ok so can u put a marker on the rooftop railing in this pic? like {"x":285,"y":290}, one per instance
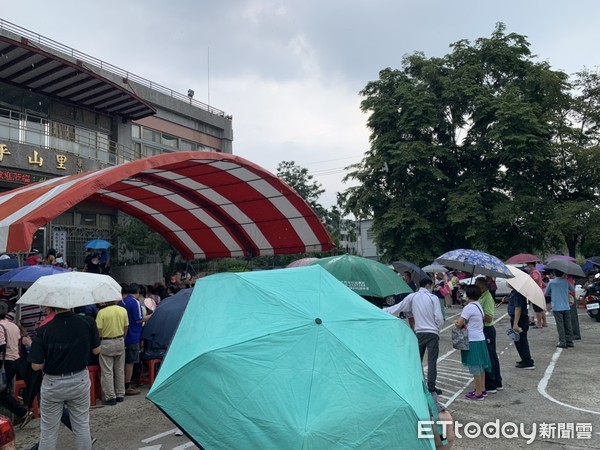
{"x":84,"y":57}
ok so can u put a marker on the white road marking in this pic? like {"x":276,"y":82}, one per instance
{"x":186,"y":445}
{"x":456,"y":394}
{"x":152,"y":447}
{"x":158,"y":436}
{"x":543,"y":384}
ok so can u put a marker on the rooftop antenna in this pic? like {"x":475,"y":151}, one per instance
{"x":208,"y":72}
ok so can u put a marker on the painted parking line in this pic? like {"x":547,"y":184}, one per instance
{"x":159,"y":436}
{"x":543,"y":385}
{"x":184,"y":446}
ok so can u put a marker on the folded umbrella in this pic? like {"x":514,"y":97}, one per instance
{"x":291,"y":359}
{"x":527,"y":287}
{"x":72,"y":289}
{"x":475,"y":262}
{"x":566,"y":266}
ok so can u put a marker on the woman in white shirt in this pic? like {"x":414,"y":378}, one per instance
{"x":476,"y":358}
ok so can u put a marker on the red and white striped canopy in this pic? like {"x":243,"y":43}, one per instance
{"x":206,"y":205}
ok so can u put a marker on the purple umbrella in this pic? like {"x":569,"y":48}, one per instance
{"x":563,"y":257}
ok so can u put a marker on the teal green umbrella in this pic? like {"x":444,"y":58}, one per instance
{"x":291,"y":359}
{"x":364,"y":276}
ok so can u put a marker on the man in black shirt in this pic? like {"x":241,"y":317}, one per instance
{"x":62,"y":349}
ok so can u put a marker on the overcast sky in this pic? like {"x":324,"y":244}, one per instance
{"x":289,"y":72}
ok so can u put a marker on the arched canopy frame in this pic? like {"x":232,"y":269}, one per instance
{"x":206,"y":205}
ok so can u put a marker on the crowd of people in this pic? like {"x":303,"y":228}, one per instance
{"x":425,"y":311}
{"x":50,"y":349}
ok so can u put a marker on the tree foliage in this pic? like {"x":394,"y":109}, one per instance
{"x":485,"y":147}
{"x":302,"y":182}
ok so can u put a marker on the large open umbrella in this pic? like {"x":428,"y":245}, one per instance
{"x":566,"y":266}
{"x":364,"y":276}
{"x":527,"y":287}
{"x":475,"y":262}
{"x":72,"y":289}
{"x":291,"y":359}
{"x":561,"y":257}
{"x":159,"y":330}
{"x":415,"y":271}
{"x":24,"y":277}
{"x":523,"y":258}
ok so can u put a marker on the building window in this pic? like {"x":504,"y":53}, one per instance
{"x":187,"y":145}
{"x":135,"y":131}
{"x":151,"y":151}
{"x":168,"y":140}
{"x":150,"y":135}
{"x":104,"y":221}
{"x":87,"y":219}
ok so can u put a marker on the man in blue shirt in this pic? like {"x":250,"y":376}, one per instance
{"x":559,"y":290}
{"x":134,"y":334}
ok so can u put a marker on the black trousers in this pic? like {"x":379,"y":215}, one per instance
{"x":522,"y":345}
{"x":7,"y":399}
{"x":493,"y":378}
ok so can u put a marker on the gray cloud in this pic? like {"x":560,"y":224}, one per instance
{"x":290,"y":71}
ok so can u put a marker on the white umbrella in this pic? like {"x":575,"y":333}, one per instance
{"x":72,"y":289}
{"x":527,"y":287}
{"x":434,"y":268}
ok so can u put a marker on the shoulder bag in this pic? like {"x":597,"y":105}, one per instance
{"x":460,"y":336}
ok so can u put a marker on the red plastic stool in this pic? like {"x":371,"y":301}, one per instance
{"x":20,"y":385}
{"x":95,"y":387}
{"x":151,"y":366}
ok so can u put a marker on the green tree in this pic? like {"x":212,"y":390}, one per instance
{"x":461,"y":150}
{"x":577,"y":164}
{"x":302,"y":182}
{"x":137,"y":242}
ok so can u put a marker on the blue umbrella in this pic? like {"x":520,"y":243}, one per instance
{"x":475,"y":261}
{"x":163,"y":322}
{"x":98,"y":244}
{"x":589,"y":266}
{"x":25,"y":276}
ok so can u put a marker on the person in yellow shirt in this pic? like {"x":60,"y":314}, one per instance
{"x":112,"y":323}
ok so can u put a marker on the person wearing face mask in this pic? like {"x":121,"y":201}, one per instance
{"x":427,"y":312}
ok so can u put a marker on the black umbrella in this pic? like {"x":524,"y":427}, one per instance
{"x":565,"y":267}
{"x":415,"y":271}
{"x":161,"y":326}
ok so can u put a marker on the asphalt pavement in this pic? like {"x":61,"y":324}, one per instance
{"x":560,"y":398}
